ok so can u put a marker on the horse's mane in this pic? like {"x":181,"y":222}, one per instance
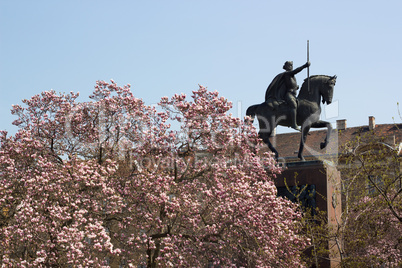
{"x":314,"y":79}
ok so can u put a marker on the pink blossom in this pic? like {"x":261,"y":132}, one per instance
{"x":111,"y":178}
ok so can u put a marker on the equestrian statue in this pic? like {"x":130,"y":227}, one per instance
{"x":282,"y":106}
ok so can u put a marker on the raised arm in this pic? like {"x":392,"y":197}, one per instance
{"x":298,"y":70}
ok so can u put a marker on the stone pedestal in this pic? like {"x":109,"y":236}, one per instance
{"x":320,"y":182}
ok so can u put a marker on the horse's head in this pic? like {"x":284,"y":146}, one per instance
{"x":327,"y":90}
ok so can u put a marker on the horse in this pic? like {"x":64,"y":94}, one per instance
{"x":308,"y":112}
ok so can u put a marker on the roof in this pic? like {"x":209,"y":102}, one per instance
{"x":287,"y":144}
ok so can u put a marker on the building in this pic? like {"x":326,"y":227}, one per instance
{"x":330,"y":186}
{"x":287,"y":144}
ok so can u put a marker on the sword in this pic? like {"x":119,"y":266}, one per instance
{"x":308,"y":68}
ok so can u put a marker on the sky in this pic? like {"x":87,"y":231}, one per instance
{"x":233,"y":46}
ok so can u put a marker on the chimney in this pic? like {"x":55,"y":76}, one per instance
{"x":371,"y":122}
{"x":341,"y":124}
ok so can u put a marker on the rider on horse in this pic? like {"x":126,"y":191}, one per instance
{"x":283,"y":89}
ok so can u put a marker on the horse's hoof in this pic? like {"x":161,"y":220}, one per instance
{"x":302,"y":158}
{"x":323,"y":145}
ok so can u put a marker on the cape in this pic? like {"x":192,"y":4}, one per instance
{"x":275,"y":94}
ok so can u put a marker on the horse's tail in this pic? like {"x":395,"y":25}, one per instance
{"x":251,"y":111}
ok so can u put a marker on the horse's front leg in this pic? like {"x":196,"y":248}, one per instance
{"x":304,"y":134}
{"x":322,"y":124}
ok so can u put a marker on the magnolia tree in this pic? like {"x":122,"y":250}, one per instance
{"x":113,"y":182}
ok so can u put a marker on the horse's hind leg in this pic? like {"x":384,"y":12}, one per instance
{"x":266,"y":124}
{"x":265,"y":138}
{"x":265,"y":134}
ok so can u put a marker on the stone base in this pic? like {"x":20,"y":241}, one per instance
{"x":321,"y":183}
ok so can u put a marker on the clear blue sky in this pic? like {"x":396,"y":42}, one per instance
{"x":233,"y":46}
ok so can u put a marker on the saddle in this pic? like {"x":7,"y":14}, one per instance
{"x":276,"y":105}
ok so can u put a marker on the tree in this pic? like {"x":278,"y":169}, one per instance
{"x":111,"y":182}
{"x":52,"y":213}
{"x":372,"y":214}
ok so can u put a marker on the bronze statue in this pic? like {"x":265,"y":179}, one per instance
{"x":282,"y":90}
{"x":313,"y":90}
